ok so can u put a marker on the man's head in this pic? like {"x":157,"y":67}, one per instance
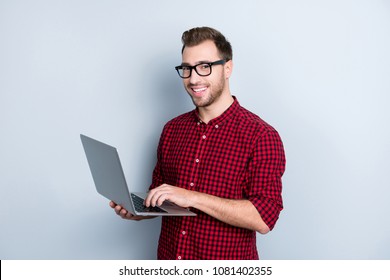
{"x":198,"y":35}
{"x":206,"y":67}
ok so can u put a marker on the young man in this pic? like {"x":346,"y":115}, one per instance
{"x":220,"y":160}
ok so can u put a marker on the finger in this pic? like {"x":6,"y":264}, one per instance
{"x":112,"y":204}
{"x":161,"y":199}
{"x":118,"y":209}
{"x":149,"y":197}
{"x":123,"y":213}
{"x":146,"y":200}
{"x":155,"y":197}
{"x":154,"y":194}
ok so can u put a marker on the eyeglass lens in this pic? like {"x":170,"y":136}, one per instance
{"x":202,"y":69}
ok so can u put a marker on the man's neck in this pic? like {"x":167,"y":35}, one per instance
{"x":216,"y":109}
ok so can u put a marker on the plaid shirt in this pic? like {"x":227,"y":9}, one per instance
{"x":236,"y":156}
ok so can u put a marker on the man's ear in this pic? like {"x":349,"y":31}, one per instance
{"x":228,"y":68}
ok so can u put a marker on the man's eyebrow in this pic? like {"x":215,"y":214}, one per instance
{"x":199,"y":62}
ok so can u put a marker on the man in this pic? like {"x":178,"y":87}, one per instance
{"x":220,"y":160}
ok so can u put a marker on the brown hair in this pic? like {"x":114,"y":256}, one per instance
{"x":197,"y":35}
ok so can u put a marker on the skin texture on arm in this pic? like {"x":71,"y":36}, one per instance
{"x":239,"y":213}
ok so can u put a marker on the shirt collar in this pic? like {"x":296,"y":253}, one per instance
{"x":228,"y":114}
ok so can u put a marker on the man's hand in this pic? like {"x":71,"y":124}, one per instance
{"x":122,"y":212}
{"x":176,"y":195}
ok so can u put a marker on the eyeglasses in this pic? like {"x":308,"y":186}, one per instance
{"x":202,"y":69}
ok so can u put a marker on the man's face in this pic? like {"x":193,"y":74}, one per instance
{"x":205,"y":91}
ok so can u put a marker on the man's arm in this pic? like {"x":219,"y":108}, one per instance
{"x":239,"y":213}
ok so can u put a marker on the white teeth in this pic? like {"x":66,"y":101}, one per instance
{"x":199,"y":90}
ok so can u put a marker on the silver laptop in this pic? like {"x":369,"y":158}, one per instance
{"x":110,"y":181}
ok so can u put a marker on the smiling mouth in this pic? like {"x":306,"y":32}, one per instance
{"x":199,"y":90}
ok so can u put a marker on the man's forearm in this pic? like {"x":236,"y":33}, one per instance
{"x":239,"y":213}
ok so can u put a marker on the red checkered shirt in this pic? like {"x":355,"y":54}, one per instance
{"x":236,"y":156}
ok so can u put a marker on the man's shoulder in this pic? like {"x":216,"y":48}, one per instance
{"x":250,"y":119}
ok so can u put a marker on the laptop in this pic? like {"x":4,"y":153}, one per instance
{"x":110,"y":182}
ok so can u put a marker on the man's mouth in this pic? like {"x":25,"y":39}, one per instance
{"x":199,"y":90}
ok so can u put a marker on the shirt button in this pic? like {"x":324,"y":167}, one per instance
{"x":204,"y":136}
{"x":216,"y":126}
{"x":183,"y":232}
{"x":191,"y":184}
{"x":179,"y":257}
{"x":197,"y":160}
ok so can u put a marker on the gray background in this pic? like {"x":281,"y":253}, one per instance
{"x":318,"y":71}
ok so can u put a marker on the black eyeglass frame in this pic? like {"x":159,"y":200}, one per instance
{"x":210,"y":64}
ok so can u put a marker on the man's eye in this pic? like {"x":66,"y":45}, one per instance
{"x":204,"y":66}
{"x":185,"y":68}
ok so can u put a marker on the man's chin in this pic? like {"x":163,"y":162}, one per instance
{"x":200,"y":102}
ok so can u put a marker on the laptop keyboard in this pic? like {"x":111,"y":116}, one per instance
{"x":140,"y":207}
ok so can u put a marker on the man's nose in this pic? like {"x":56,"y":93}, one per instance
{"x":194,"y":78}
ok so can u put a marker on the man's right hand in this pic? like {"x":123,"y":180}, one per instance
{"x":122,"y":212}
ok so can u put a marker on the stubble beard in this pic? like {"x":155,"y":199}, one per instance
{"x":208,"y":100}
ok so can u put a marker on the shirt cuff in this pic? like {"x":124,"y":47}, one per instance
{"x":268,"y":210}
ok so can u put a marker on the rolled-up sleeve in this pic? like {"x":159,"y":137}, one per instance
{"x":264,"y":181}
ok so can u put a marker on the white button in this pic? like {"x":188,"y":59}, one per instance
{"x":204,"y":136}
{"x":197,"y":160}
{"x":183,"y":232}
{"x":179,"y":257}
{"x":191,"y":184}
{"x":198,"y":123}
{"x":216,"y":126}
